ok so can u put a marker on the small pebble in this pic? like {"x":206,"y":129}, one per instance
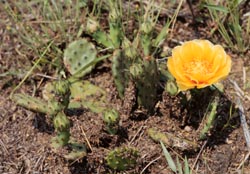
{"x":188,"y":128}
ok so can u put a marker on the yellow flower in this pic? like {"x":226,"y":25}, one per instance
{"x":198,"y":63}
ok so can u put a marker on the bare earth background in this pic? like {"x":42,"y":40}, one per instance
{"x":25,"y":136}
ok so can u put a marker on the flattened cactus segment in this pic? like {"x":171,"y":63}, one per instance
{"x":122,"y":158}
{"x":86,"y":95}
{"x":120,"y":71}
{"x":79,"y":57}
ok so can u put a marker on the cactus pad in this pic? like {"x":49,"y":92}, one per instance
{"x":86,"y":95}
{"x":120,"y":72}
{"x":77,"y":151}
{"x":60,"y":140}
{"x":33,"y":104}
{"x":122,"y":158}
{"x":146,"y":80}
{"x":61,"y":122}
{"x":172,"y":140}
{"x":111,"y":118}
{"x":79,"y":57}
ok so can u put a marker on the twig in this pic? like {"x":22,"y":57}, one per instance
{"x":4,"y":147}
{"x":46,"y":76}
{"x":86,"y":139}
{"x":244,"y":76}
{"x":243,"y":121}
{"x":238,"y":90}
{"x":198,"y":156}
{"x":151,"y":162}
{"x":136,"y":135}
{"x":244,"y":160}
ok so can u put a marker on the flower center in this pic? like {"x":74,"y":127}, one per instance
{"x":198,"y":67}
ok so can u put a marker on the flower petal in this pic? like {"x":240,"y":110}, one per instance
{"x":198,"y":63}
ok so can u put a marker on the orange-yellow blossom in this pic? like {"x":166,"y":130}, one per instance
{"x":198,"y":63}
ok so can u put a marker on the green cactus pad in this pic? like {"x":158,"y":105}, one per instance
{"x":122,"y":158}
{"x":60,"y":140}
{"x":120,"y":72}
{"x":172,"y":140}
{"x":57,"y":91}
{"x":61,"y":122}
{"x":210,"y":118}
{"x":101,"y":37}
{"x":111,"y":118}
{"x":86,"y":95}
{"x":49,"y":92}
{"x":33,"y":104}
{"x":146,"y":84}
{"x":77,"y":151}
{"x":79,"y":57}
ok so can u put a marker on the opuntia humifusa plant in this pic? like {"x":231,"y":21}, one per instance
{"x":122,"y":158}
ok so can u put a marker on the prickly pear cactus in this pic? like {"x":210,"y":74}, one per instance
{"x":86,"y":95}
{"x":146,"y":77}
{"x":61,"y":122}
{"x":172,"y":140}
{"x":120,"y":72}
{"x":122,"y":158}
{"x":61,"y":139}
{"x":77,"y":151}
{"x":146,"y":38}
{"x":33,"y":104}
{"x":79,"y":57}
{"x":115,"y":23}
{"x":101,"y":37}
{"x":208,"y":122}
{"x":111,"y":118}
{"x":57,"y":93}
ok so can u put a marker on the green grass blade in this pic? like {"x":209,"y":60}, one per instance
{"x":168,"y":158}
{"x":217,"y":8}
{"x":179,"y":166}
{"x":186,"y":167}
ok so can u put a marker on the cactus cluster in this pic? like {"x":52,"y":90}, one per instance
{"x":56,"y":101}
{"x":122,"y":158}
{"x":132,"y":60}
{"x":79,"y":58}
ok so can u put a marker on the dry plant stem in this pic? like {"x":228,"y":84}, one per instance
{"x":198,"y":156}
{"x":238,"y":90}
{"x":244,"y":122}
{"x":136,"y":135}
{"x":151,"y":162}
{"x":244,"y":160}
{"x":85,"y":136}
{"x":173,"y":20}
{"x":3,"y":146}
